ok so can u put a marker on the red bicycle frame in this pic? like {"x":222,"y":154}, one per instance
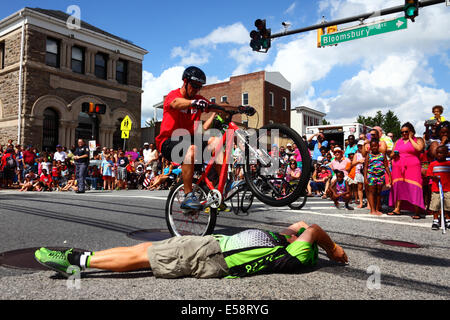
{"x":223,"y":172}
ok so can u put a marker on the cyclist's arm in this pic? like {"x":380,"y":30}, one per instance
{"x":208,"y":123}
{"x":181,"y":103}
{"x":294,"y":228}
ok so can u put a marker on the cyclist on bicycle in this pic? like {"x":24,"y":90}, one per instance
{"x":182,"y":110}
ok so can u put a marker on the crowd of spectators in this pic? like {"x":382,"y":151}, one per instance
{"x":28,"y":169}
{"x":372,"y":170}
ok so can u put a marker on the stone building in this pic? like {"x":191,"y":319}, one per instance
{"x":49,"y":67}
{"x":268,"y":92}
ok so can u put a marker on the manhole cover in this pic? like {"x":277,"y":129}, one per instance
{"x":24,"y":258}
{"x":397,"y":243}
{"x":150,"y":235}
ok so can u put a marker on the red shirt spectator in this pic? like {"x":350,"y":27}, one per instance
{"x":445,"y":176}
{"x":28,"y":157}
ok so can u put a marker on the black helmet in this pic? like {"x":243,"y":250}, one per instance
{"x":194,"y":74}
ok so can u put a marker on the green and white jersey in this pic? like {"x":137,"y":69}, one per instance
{"x":255,"y":251}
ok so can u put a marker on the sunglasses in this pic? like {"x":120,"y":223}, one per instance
{"x":404,"y":131}
{"x":195,"y":85}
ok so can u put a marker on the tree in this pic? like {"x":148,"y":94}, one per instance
{"x":392,"y":124}
{"x":325,"y":122}
{"x":388,"y":122}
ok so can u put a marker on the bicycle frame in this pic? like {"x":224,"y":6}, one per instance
{"x":232,"y":128}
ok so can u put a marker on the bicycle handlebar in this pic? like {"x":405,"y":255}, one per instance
{"x":250,"y":111}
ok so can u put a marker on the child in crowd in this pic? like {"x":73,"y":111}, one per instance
{"x":358,"y":161}
{"x":437,"y":112}
{"x":320,"y":180}
{"x":71,"y":184}
{"x":45,"y":182}
{"x":375,"y":168}
{"x":56,"y":173}
{"x":340,"y":191}
{"x":30,"y":178}
{"x":440,"y":169}
{"x":106,"y":170}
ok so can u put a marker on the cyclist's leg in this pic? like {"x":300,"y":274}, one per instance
{"x":122,"y":259}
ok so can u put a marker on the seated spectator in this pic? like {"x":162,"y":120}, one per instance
{"x":71,"y":184}
{"x":293,"y":172}
{"x":45,"y":182}
{"x":30,"y":179}
{"x":339,"y":190}
{"x":93,"y":177}
{"x":320,"y":180}
{"x":159,"y":180}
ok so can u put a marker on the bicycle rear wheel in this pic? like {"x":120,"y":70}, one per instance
{"x":180,"y":222}
{"x":265,"y":173}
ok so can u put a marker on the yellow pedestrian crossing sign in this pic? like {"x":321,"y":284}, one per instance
{"x":125,"y":134}
{"x":126,"y":124}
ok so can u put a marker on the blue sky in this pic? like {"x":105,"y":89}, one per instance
{"x":406,"y":71}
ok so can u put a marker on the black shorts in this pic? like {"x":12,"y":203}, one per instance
{"x":171,"y":143}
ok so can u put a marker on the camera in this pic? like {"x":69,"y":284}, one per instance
{"x":430,"y":123}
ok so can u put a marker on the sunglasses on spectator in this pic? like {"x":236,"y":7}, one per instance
{"x":406,"y":131}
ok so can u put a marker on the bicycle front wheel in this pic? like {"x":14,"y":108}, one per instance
{"x":181,"y":222}
{"x":246,"y":200}
{"x":267,"y":173}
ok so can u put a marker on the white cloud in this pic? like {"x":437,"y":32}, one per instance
{"x":290,"y":9}
{"x":395,"y":72}
{"x":235,"y":33}
{"x":156,"y":87}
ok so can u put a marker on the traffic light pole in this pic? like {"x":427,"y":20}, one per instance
{"x":360,"y":17}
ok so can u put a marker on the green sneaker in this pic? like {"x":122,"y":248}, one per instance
{"x":55,"y":260}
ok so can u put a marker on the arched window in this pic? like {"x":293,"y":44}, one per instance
{"x":117,"y":136}
{"x":50,"y":130}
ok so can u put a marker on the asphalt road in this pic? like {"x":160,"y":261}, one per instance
{"x":101,"y":219}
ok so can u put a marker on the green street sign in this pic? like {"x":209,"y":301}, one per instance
{"x":364,"y":31}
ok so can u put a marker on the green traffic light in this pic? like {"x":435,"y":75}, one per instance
{"x":410,"y":12}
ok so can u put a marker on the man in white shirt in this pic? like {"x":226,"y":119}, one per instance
{"x":59,"y":155}
{"x":146,"y":152}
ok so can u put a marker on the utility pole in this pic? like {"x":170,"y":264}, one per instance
{"x":410,"y":8}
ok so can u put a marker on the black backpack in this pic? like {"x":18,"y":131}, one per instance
{"x":11,"y":162}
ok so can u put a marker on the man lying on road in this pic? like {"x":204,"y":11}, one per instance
{"x":245,"y":253}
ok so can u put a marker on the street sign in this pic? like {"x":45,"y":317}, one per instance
{"x":126,"y":124}
{"x":125,"y":134}
{"x":364,"y":31}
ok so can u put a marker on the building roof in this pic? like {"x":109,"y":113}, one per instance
{"x":60,"y":15}
{"x":303,"y":109}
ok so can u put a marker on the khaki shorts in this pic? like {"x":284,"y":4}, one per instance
{"x":195,"y":256}
{"x":435,"y":204}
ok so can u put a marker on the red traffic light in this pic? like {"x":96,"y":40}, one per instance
{"x":260,"y":24}
{"x":91,"y":108}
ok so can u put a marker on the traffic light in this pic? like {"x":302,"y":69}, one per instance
{"x":411,"y":9}
{"x":92,"y":108}
{"x":332,"y":29}
{"x":320,"y":33}
{"x":260,"y":38}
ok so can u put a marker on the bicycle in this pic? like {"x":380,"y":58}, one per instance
{"x":259,"y":167}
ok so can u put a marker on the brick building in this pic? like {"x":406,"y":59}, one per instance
{"x":48,"y":69}
{"x":268,"y":92}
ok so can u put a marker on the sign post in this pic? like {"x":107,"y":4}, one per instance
{"x":364,"y":31}
{"x":125,"y":127}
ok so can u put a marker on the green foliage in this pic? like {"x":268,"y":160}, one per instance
{"x":389,"y":122}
